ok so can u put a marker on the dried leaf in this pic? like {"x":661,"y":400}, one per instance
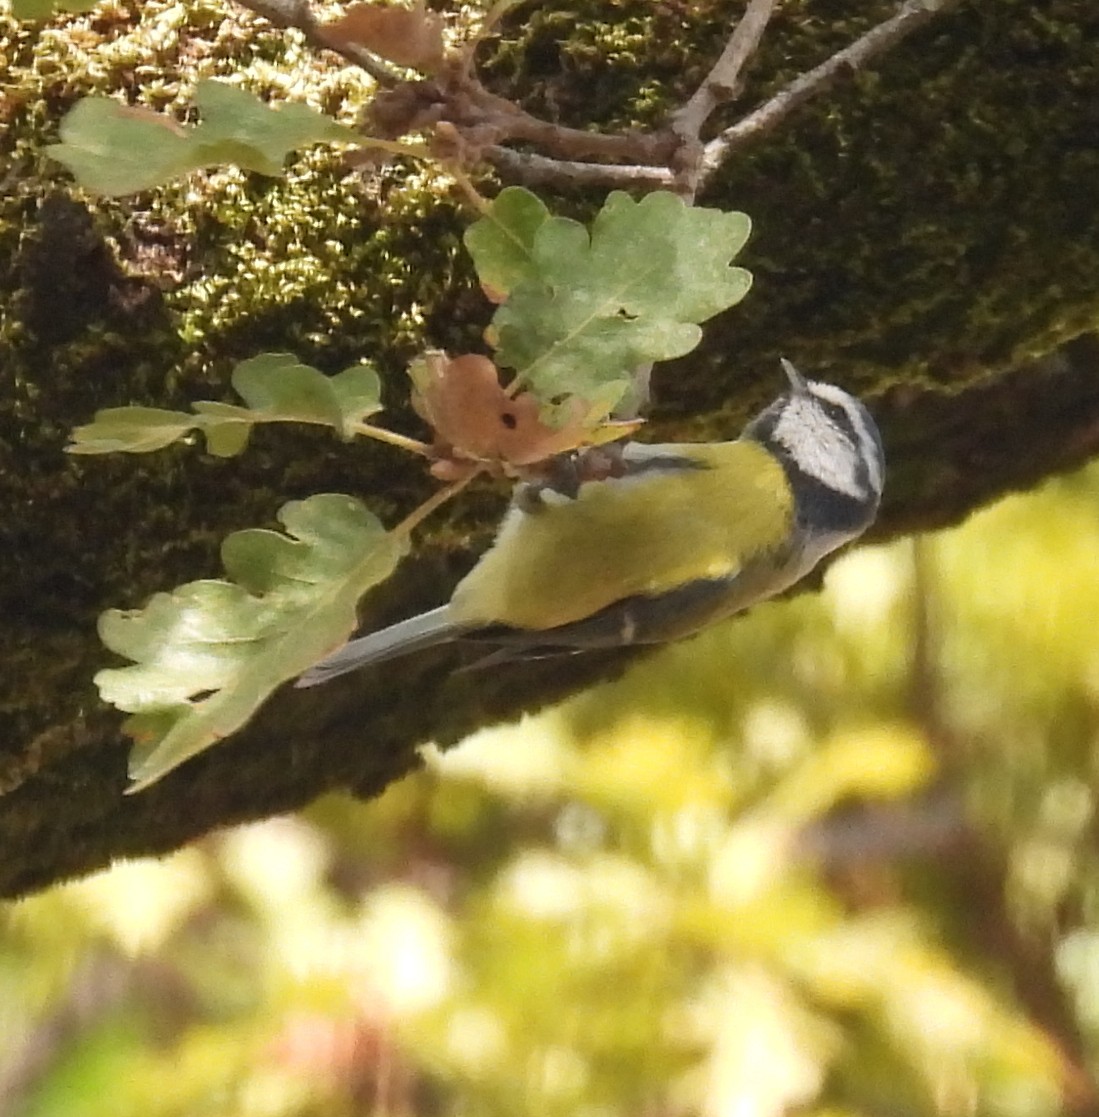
{"x":495,"y":295}
{"x":475,"y":419}
{"x":411,"y":37}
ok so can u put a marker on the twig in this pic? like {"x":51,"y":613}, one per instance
{"x":479,"y":107}
{"x":514,"y":123}
{"x":531,"y":169}
{"x":634,"y":159}
{"x":392,"y":438}
{"x":578,"y":143}
{"x":913,"y":14}
{"x":433,"y":502}
{"x":721,"y":84}
{"x":298,"y":14}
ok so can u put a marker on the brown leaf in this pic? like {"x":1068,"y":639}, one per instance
{"x":476,"y":419}
{"x":411,"y":37}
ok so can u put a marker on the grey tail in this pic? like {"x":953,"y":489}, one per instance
{"x":398,"y":639}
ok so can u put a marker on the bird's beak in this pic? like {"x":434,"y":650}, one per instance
{"x":798,"y":384}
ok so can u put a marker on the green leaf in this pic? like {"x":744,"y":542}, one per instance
{"x":588,"y":310}
{"x":502,"y":241}
{"x":277,"y":384}
{"x":209,"y":653}
{"x":237,"y":127}
{"x":277,"y":389}
{"x":113,"y":149}
{"x":131,"y":430}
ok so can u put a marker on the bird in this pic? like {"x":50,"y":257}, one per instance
{"x":677,"y":536}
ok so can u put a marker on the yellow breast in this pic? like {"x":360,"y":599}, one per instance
{"x":645,"y":534}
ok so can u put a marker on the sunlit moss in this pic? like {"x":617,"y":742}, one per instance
{"x":294,"y":256}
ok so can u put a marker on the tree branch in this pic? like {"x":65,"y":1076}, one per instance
{"x":913,"y":15}
{"x":514,"y":123}
{"x":632,"y":159}
{"x":533,"y":170}
{"x":721,"y":84}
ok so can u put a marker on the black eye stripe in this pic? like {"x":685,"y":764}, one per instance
{"x":837,"y":413}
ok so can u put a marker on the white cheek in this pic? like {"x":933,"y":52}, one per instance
{"x":830,"y":460}
{"x":819,"y":449}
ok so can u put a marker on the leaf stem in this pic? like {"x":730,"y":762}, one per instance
{"x":479,"y":202}
{"x":433,"y":502}
{"x":392,"y":438}
{"x":532,"y":169}
{"x":412,"y":150}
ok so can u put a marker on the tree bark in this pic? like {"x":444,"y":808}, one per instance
{"x":925,"y":234}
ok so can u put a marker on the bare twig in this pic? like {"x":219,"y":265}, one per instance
{"x":723,"y":80}
{"x":566,"y":156}
{"x":912,"y":15}
{"x":578,"y":143}
{"x":472,"y":195}
{"x":514,"y":123}
{"x":721,"y":84}
{"x":298,"y":14}
{"x":533,"y":169}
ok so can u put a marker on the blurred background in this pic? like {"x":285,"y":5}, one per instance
{"x":836,"y":858}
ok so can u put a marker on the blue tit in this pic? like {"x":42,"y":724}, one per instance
{"x":681,"y":535}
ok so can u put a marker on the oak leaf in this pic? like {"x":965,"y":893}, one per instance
{"x":476,"y":419}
